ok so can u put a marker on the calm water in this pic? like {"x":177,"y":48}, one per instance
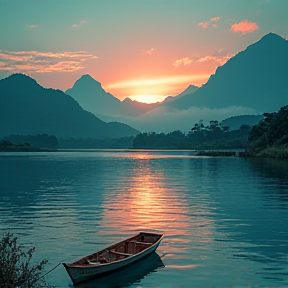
{"x":225,"y":219}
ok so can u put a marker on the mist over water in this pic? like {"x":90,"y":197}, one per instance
{"x":225,"y":219}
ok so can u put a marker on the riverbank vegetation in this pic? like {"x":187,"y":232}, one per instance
{"x":16,"y":269}
{"x":199,"y":137}
{"x":28,"y":143}
{"x":270,"y":137}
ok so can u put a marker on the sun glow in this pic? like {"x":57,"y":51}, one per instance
{"x":159,"y":81}
{"x":148,"y":98}
{"x":147,"y":203}
{"x":154,"y":89}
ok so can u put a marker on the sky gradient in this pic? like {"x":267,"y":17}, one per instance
{"x":145,"y":49}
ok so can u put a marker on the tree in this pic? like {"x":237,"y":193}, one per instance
{"x":16,"y":269}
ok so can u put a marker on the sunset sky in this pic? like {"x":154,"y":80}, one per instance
{"x":142,"y":49}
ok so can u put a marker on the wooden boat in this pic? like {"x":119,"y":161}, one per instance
{"x":124,"y":277}
{"x":114,"y":257}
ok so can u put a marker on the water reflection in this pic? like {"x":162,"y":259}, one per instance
{"x":129,"y":275}
{"x":274,"y":173}
{"x":224,"y":218}
{"x":148,"y":202}
{"x":251,"y":210}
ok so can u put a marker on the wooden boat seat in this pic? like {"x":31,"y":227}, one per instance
{"x":93,"y":263}
{"x":120,"y":253}
{"x":138,"y":242}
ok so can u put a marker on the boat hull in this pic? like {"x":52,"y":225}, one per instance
{"x":80,"y":274}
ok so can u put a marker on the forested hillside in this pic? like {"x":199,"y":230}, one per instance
{"x":270,"y":136}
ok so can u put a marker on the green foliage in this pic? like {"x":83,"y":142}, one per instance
{"x":5,"y":143}
{"x":172,"y":140}
{"x":199,"y":137}
{"x":39,"y":140}
{"x":272,"y":131}
{"x":91,"y":143}
{"x":16,"y":269}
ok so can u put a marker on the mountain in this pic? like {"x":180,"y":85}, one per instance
{"x":92,"y":97}
{"x":89,"y":93}
{"x":189,"y":90}
{"x":235,"y":122}
{"x":28,"y":108}
{"x":254,"y":78}
{"x":252,"y":82}
{"x":135,"y":108}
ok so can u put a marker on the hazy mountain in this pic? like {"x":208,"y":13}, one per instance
{"x":189,"y":90}
{"x":28,"y":108}
{"x":254,"y":78}
{"x":252,"y":82}
{"x":89,"y":93}
{"x":134,"y":108}
{"x":92,"y":97}
{"x":235,"y":122}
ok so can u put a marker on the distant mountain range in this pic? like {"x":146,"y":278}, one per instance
{"x":235,"y":122}
{"x":189,"y":90}
{"x":252,"y":82}
{"x":256,"y":78}
{"x":89,"y":93}
{"x":28,"y":108}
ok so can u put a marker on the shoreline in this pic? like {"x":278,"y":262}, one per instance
{"x":273,"y":153}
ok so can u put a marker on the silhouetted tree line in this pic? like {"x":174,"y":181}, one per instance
{"x":29,"y":141}
{"x":92,"y":143}
{"x":199,"y":137}
{"x":270,"y":136}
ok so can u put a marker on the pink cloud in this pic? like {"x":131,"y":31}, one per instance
{"x":244,"y":27}
{"x":43,"y":62}
{"x":206,"y":24}
{"x":203,"y":25}
{"x":182,"y":62}
{"x":214,"y":19}
{"x":220,"y":57}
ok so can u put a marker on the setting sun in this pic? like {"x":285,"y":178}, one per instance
{"x":155,"y":89}
{"x":148,"y":98}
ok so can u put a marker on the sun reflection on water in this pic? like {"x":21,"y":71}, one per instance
{"x":147,"y":203}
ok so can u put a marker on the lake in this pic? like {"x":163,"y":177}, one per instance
{"x":225,"y":218}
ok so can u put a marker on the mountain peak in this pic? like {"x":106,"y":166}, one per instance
{"x":272,"y":37}
{"x":255,"y":78}
{"x":86,"y":80}
{"x":21,"y":77}
{"x":87,"y":77}
{"x":269,"y":43}
{"x":18,"y":79}
{"x":127,"y":100}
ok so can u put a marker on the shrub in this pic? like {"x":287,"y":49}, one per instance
{"x":16,"y":269}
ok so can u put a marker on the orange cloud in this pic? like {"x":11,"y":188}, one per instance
{"x":220,"y":57}
{"x":78,"y":25}
{"x":214,"y":19}
{"x":184,"y":61}
{"x":203,"y":25}
{"x":206,"y":24}
{"x":43,"y":62}
{"x":244,"y":27}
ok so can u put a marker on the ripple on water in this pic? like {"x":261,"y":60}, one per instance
{"x":224,"y":218}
